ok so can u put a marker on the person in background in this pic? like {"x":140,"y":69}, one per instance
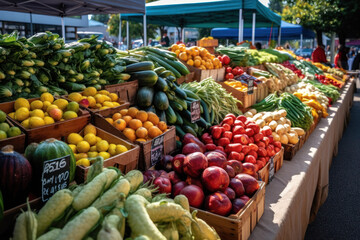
{"x":165,"y":41}
{"x":150,"y":42}
{"x":258,"y":46}
{"x":341,"y":58}
{"x":319,"y":55}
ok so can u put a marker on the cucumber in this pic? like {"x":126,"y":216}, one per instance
{"x":169,"y":83}
{"x":202,"y":123}
{"x":178,"y":144}
{"x":162,"y":53}
{"x":170,"y":115}
{"x":179,"y":92}
{"x":182,"y":102}
{"x":161,"y":85}
{"x":192,"y":125}
{"x":176,"y":106}
{"x":155,"y":58}
{"x":170,"y":96}
{"x":151,"y":109}
{"x":165,"y":74}
{"x":191,"y":94}
{"x":161,"y":101}
{"x":146,"y":78}
{"x":179,"y":120}
{"x":161,"y":115}
{"x":205,"y":111}
{"x":181,"y":68}
{"x":141,"y":66}
{"x":179,"y":131}
{"x":171,"y":78}
{"x":159,"y":70}
{"x":188,"y":129}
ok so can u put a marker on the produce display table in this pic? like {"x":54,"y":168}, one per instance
{"x":300,"y":187}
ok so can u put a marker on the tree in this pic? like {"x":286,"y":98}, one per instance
{"x":104,"y":18}
{"x":204,"y":32}
{"x":276,"y":5}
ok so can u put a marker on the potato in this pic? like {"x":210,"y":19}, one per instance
{"x":253,"y":111}
{"x":288,"y":121}
{"x":276,"y":116}
{"x":293,"y":139}
{"x":280,"y":129}
{"x":260,"y":122}
{"x":276,"y":136}
{"x":299,"y":131}
{"x":248,"y":114}
{"x":282,"y":112}
{"x":287,"y":127}
{"x":273,"y":124}
{"x":267,"y":117}
{"x":257,"y":116}
{"x":284,"y":139}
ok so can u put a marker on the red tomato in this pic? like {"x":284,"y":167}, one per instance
{"x":225,"y":59}
{"x":229,"y":76}
{"x":229,"y":70}
{"x":220,"y":58}
{"x":235,"y":72}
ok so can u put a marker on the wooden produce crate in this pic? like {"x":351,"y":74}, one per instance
{"x":188,"y":78}
{"x":199,"y":74}
{"x":18,"y":142}
{"x":126,"y":91}
{"x":291,"y":149}
{"x":55,"y":130}
{"x":207,"y":43}
{"x":264,"y":173}
{"x":237,"y":226}
{"x":126,"y":161}
{"x":279,"y":160}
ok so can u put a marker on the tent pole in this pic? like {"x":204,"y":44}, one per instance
{"x":127,"y":35}
{"x":301,"y":41}
{"x":119,"y":41}
{"x":145,"y":33}
{"x":253,"y":28}
{"x":332,"y":48}
{"x":242,"y":30}
{"x":240,"y":27}
{"x":279,"y":40}
{"x":31,"y":25}
{"x":183,"y":34}
{"x":63,"y":27}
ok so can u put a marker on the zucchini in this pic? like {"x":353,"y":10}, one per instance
{"x":176,"y":106}
{"x":162,"y":53}
{"x":141,"y":66}
{"x":146,"y":78}
{"x":188,"y":129}
{"x":73,"y":87}
{"x":191,"y":94}
{"x":182,"y":102}
{"x":164,"y":64}
{"x":179,"y":120}
{"x":178,"y":143}
{"x":161,"y":115}
{"x":179,"y":131}
{"x":170,"y":115}
{"x":165,"y":74}
{"x":169,"y":83}
{"x":202,"y":123}
{"x":170,"y":96}
{"x":144,"y":97}
{"x":161,"y":101}
{"x":159,"y":70}
{"x":150,"y":109}
{"x":179,"y":66}
{"x":205,"y":111}
{"x":161,"y":85}
{"x":171,"y":78}
{"x":192,"y":125}
{"x":179,"y":92}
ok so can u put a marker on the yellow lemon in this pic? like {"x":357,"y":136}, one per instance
{"x":12,"y":115}
{"x":90,"y":138}
{"x":22,"y":113}
{"x":76,"y":97}
{"x":69,"y":115}
{"x":112,"y":149}
{"x":100,"y":98}
{"x":25,"y":123}
{"x":90,"y":129}
{"x":61,"y":103}
{"x":105,"y":155}
{"x":48,"y":120}
{"x":83,"y":162}
{"x":35,"y":122}
{"x":73,"y":147}
{"x":104,"y":92}
{"x":98,"y":139}
{"x":92,"y":149}
{"x":104,"y":107}
{"x":83,"y":147}
{"x":51,"y":107}
{"x":74,"y":138}
{"x":107,"y":98}
{"x":92,"y":101}
{"x":90,"y":91}
{"x":120,"y":149}
{"x":102,"y":146}
{"x":114,"y":97}
{"x":46,"y":104}
{"x":21,"y":102}
{"x":80,"y":156}
{"x":37,"y":113}
{"x":47,"y":97}
{"x":37,"y":104}
{"x":116,"y":104}
{"x":98,"y":105}
{"x":92,"y":154}
{"x":108,"y":104}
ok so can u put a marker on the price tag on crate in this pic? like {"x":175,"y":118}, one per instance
{"x":271,"y":169}
{"x":157,"y":149}
{"x":250,"y":87}
{"x":195,"y":111}
{"x":55,"y":176}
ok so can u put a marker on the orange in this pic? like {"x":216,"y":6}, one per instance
{"x":183,"y":56}
{"x":127,"y":119}
{"x":135,"y":124}
{"x":154,"y":132}
{"x":162,"y":126}
{"x":110,"y":120}
{"x":142,"y":139}
{"x":116,"y":116}
{"x":132,"y":112}
{"x":120,"y":124}
{"x":148,"y":124}
{"x":152,"y":117}
{"x":124,"y":112}
{"x":130,"y":134}
{"x":141,"y":132}
{"x":142,"y":116}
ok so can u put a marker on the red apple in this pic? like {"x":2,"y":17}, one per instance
{"x":84,"y":102}
{"x":253,"y":147}
{"x":164,"y":185}
{"x":238,"y":130}
{"x":216,"y":159}
{"x":270,"y":150}
{"x":218,"y":203}
{"x":176,"y":188}
{"x":251,"y":140}
{"x":234,"y":156}
{"x":260,"y":164}
{"x":258,"y":137}
{"x":230,"y":171}
{"x":241,"y":118}
{"x":240,"y":138}
{"x":194,"y":164}
{"x":215,"y":178}
{"x":226,"y":127}
{"x":245,"y":149}
{"x":228,"y":135}
{"x":248,"y":168}
{"x":271,"y":138}
{"x":262,"y":152}
{"x":245,"y":198}
{"x":231,"y":115}
{"x":227,"y":120}
{"x":266,"y":130}
{"x":194,"y":181}
{"x":189,"y":138}
{"x":220,"y":151}
{"x":261,"y":144}
{"x":249,"y":132}
{"x":239,"y":123}
{"x":178,"y":162}
{"x":250,"y":159}
{"x":277,"y":149}
{"x":277,"y":144}
{"x":253,"y":153}
{"x":236,"y":165}
{"x":251,"y":185}
{"x":194,"y":194}
{"x":266,"y":140}
{"x":237,"y":205}
{"x":210,"y":147}
{"x":220,"y":148}
{"x":190,"y":148}
{"x":174,"y":177}
{"x":165,"y":163}
{"x":151,"y":175}
{"x":237,"y":186}
{"x":230,"y":193}
{"x":163,"y":174}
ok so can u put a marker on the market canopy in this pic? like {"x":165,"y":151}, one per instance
{"x":206,"y":13}
{"x":73,"y":7}
{"x":288,"y":32}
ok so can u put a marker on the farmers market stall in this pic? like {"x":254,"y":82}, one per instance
{"x":301,"y":186}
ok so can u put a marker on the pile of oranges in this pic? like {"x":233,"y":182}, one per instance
{"x":138,"y":125}
{"x":196,"y":56}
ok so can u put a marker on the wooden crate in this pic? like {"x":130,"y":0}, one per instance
{"x":18,"y":142}
{"x":55,"y":130}
{"x":188,"y":78}
{"x":126,"y":91}
{"x":207,"y":43}
{"x":237,"y":226}
{"x":126,"y":161}
{"x":279,"y":160}
{"x":263,"y":174}
{"x":199,"y":74}
{"x":291,"y":149}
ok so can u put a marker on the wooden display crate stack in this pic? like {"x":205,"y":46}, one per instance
{"x":199,"y":74}
{"x":278,"y":160}
{"x":18,"y":141}
{"x":209,"y":44}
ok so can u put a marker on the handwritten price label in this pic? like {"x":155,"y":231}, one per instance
{"x":157,"y":149}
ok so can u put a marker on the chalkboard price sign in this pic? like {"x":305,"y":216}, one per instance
{"x":271,"y":169}
{"x":157,"y":149}
{"x":55,"y":176}
{"x":250,"y":86}
{"x":195,"y":111}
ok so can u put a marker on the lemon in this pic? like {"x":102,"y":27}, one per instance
{"x":74,"y":138}
{"x":83,"y":162}
{"x":104,"y":92}
{"x":13,"y":132}
{"x":69,"y":115}
{"x":80,"y":156}
{"x":72,"y":106}
{"x":12,"y":115}
{"x":2,"y":135}
{"x":46,"y":104}
{"x":92,"y":101}
{"x":90,"y":138}
{"x":98,"y":105}
{"x":90,"y":91}
{"x":37,"y":104}
{"x":103,"y":108}
{"x":90,"y":129}
{"x":120,"y":149}
{"x":102,"y":146}
{"x":35,"y":122}
{"x":114,"y":97}
{"x":47,"y":97}
{"x":105,"y":155}
{"x":92,"y":149}
{"x":26,"y":123}
{"x":21,"y":114}
{"x":108,"y":104}
{"x":100,"y":98}
{"x":21,"y":102}
{"x":37,"y":113}
{"x":73,"y":147}
{"x":98,"y":139}
{"x":4,"y":127}
{"x":61,"y":103}
{"x":51,"y":107}
{"x":116,"y":104}
{"x":2,"y":116}
{"x":92,"y":154}
{"x":107,"y":99}
{"x":76,"y":97}
{"x":48,"y":120}
{"x":83,"y":147}
{"x":112,"y":149}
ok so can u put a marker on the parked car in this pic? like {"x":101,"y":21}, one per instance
{"x":137,"y":43}
{"x":304,"y":52}
{"x":82,"y":35}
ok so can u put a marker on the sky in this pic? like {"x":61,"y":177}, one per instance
{"x":265,"y":2}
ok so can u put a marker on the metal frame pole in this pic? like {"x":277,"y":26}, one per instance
{"x":31,"y":24}
{"x":240,"y":36}
{"x":145,"y":32}
{"x":63,"y":28}
{"x":253,"y":28}
{"x":119,"y":40}
{"x":127,"y":35}
{"x":279,"y":39}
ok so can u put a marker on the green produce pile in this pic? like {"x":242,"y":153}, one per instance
{"x":112,"y":206}
{"x":329,"y":90}
{"x":297,"y":112}
{"x":307,"y":68}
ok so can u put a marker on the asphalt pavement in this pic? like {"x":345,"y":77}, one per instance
{"x":339,"y":217}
